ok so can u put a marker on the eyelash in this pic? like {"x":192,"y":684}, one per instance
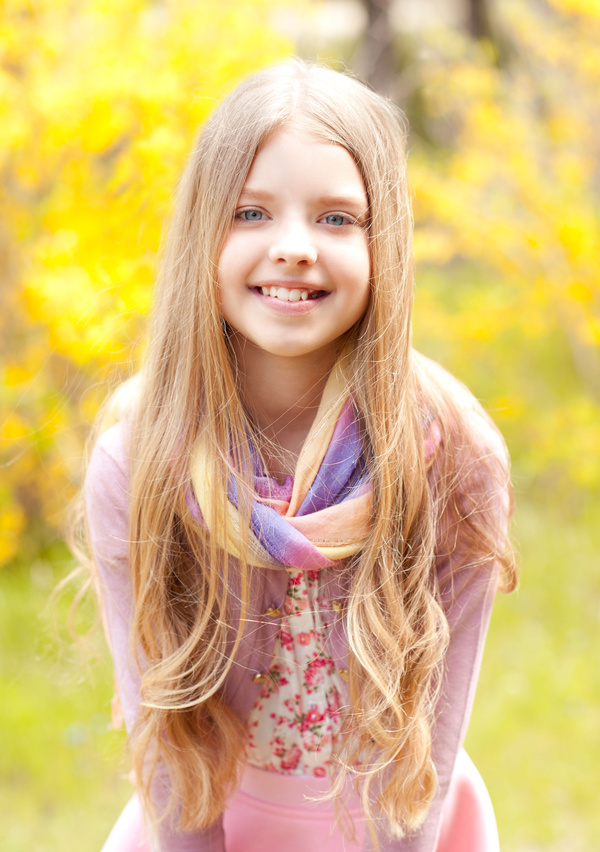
{"x":347,"y":220}
{"x":240,"y":214}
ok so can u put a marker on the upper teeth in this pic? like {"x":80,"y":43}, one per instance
{"x":285,"y":295}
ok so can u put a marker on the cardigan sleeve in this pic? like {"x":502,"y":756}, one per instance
{"x":107,"y":504}
{"x":467,"y":590}
{"x":467,"y":594}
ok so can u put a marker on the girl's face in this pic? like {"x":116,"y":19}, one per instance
{"x":295,"y":270}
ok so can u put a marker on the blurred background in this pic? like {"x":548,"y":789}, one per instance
{"x":100,"y":101}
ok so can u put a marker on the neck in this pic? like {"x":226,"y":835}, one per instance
{"x":282,"y":396}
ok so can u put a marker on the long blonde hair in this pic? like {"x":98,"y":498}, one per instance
{"x":397,"y":632}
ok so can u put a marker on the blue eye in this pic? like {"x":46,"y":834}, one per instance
{"x":250,"y":215}
{"x":336,"y":219}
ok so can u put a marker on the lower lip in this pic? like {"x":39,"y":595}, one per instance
{"x":289,"y":308}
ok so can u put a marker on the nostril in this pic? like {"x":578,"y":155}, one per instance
{"x":294,"y":249}
{"x":296,"y":258}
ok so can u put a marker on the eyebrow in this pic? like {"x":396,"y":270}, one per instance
{"x":350,"y":200}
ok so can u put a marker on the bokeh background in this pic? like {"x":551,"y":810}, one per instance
{"x":100,"y":101}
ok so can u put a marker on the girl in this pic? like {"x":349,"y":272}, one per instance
{"x":298,"y":523}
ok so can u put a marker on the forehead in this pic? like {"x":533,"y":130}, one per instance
{"x":293,"y":159}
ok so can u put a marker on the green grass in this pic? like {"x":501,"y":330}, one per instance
{"x":534,"y":733}
{"x":61,"y":767}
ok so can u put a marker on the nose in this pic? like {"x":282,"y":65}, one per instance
{"x":293,"y":245}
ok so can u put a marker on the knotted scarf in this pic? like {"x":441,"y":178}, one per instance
{"x":320,"y":516}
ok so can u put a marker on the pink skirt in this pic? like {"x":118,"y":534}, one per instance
{"x":271,"y":811}
{"x":275,"y":812}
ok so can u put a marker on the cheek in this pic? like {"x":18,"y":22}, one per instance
{"x":359,"y":263}
{"x":365,"y":299}
{"x":224,"y":263}
{"x":364,"y":276}
{"x":230,"y":274}
{"x":225,"y":281}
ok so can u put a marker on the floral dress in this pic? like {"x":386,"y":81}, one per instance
{"x":293,"y":726}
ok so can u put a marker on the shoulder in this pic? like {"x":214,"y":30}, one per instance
{"x":110,"y":455}
{"x":467,"y":459}
{"x":111,"y":450}
{"x":122,"y":402}
{"x":453,"y":414}
{"x":107,"y":476}
{"x":108,"y":498}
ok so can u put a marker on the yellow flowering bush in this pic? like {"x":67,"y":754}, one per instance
{"x":99,"y":104}
{"x":100,"y":101}
{"x":508,"y":230}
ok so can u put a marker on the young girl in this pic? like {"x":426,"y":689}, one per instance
{"x":298,"y":524}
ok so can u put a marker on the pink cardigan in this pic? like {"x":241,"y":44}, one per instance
{"x":468,"y":611}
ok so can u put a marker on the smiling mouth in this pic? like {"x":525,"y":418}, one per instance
{"x":295,"y":295}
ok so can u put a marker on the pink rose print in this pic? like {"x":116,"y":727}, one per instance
{"x":309,"y":724}
{"x":313,"y":672}
{"x":298,"y":735}
{"x":311,"y":742}
{"x":278,"y":749}
{"x":333,"y":699}
{"x":292,"y":705}
{"x":292,"y":759}
{"x":285,"y":637}
{"x":322,"y":603}
{"x":313,"y":716}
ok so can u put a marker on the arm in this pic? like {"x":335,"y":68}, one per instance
{"x":467,"y":596}
{"x":107,"y":503}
